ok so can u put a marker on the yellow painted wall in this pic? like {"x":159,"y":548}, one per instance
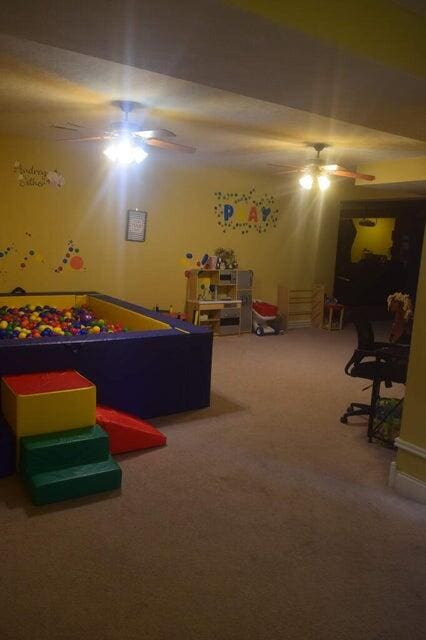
{"x":376,"y":239}
{"x":375,"y":29}
{"x":394,"y":171}
{"x":413,"y":418}
{"x":90,"y":209}
{"x":178,"y":195}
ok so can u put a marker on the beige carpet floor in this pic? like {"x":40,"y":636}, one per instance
{"x":263,"y":519}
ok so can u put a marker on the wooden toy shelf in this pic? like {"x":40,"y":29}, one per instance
{"x":301,"y":307}
{"x":212,"y":298}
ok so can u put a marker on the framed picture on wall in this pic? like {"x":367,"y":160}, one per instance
{"x":136,"y":225}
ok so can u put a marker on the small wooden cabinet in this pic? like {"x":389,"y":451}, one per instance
{"x":213,"y":299}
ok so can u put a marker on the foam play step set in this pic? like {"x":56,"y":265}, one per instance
{"x":49,"y":430}
{"x":68,"y":464}
{"x":127,"y":433}
{"x":44,"y":402}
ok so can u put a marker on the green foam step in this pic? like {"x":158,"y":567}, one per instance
{"x":63,"y":449}
{"x":74,"y":482}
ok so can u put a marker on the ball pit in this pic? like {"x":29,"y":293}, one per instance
{"x":31,"y":321}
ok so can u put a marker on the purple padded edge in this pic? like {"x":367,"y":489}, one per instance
{"x":145,"y":373}
{"x":172,"y":322}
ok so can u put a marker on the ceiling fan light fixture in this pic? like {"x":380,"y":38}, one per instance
{"x":323,"y":182}
{"x":124,"y":152}
{"x":306,"y":181}
{"x":139,"y":154}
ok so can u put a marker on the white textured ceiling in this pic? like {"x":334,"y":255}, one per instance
{"x":41,"y":85}
{"x":243,"y":89}
{"x":376,"y":80}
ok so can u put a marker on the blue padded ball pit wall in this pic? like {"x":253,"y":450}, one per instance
{"x":146,"y":373}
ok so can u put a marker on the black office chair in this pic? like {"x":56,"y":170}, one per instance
{"x":366,"y":343}
{"x":375,"y":361}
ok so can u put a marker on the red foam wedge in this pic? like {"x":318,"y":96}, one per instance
{"x":127,"y":433}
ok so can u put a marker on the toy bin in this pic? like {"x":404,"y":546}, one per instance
{"x":266,"y":319}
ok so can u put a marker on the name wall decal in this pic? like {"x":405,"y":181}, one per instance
{"x":245,"y":212}
{"x":31,"y":176}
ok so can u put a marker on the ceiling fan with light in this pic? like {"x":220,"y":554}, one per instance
{"x":128,"y":142}
{"x":317,"y":173}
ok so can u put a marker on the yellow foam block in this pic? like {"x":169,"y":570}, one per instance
{"x":46,"y":402}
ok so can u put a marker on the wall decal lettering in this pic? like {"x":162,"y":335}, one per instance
{"x":30,"y":176}
{"x":245,"y":212}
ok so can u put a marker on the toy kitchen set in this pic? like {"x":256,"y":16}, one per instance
{"x":221,"y":299}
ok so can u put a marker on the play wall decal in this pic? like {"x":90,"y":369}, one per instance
{"x":31,"y":176}
{"x":245,"y":212}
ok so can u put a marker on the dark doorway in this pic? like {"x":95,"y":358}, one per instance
{"x":378,"y":252}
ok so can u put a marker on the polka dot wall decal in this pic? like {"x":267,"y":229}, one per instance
{"x":70,"y":259}
{"x":6,"y":250}
{"x":76,"y":262}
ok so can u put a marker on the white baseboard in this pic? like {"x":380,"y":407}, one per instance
{"x":406,"y":485}
{"x":410,"y":447}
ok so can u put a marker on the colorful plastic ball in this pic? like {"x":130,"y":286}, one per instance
{"x":36,"y":321}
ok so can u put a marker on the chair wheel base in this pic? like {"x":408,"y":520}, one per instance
{"x":344,"y":420}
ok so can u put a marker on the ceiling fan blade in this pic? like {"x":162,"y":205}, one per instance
{"x":63,"y":126}
{"x":286,"y":172}
{"x":286,"y":166}
{"x":154,"y":133}
{"x":89,"y":139}
{"x":352,"y":174}
{"x":172,"y":146}
{"x":68,"y":126}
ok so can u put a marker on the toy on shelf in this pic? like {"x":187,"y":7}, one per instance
{"x":266,"y":319}
{"x":225,"y":258}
